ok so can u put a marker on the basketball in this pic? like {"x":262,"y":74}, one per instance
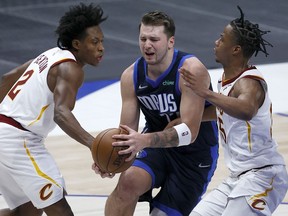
{"x":106,"y":156}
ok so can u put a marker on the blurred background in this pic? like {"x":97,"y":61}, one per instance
{"x":28,"y":28}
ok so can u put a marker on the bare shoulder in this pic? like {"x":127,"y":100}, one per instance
{"x":127,"y":75}
{"x":66,"y":73}
{"x":195,"y":65}
{"x":249,"y":85}
{"x":70,"y":70}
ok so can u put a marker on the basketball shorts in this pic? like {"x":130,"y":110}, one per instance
{"x":257,"y":192}
{"x":27,"y":171}
{"x":182,"y":177}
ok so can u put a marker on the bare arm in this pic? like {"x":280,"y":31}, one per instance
{"x":209,"y":113}
{"x":242,"y":103}
{"x":66,"y":81}
{"x":244,"y":100}
{"x":130,"y":112}
{"x":10,"y":78}
{"x":192,"y":105}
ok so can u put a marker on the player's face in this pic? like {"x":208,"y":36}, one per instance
{"x":154,"y":43}
{"x":225,"y":45}
{"x":90,"y":48}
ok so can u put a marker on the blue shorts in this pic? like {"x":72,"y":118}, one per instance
{"x":183,"y":174}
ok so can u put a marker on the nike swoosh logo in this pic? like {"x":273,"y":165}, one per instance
{"x":142,"y":87}
{"x":203,"y":166}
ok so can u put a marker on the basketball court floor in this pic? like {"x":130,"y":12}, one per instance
{"x":27,"y":29}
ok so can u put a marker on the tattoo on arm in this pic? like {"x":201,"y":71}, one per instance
{"x":165,"y":139}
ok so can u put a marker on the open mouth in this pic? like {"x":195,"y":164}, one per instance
{"x":99,"y":58}
{"x":149,"y":54}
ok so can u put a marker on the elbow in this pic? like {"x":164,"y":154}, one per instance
{"x":194,"y":136}
{"x":248,"y":115}
{"x":58,"y":117}
{"x":194,"y":131}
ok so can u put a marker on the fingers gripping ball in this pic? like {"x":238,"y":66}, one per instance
{"x":106,"y":156}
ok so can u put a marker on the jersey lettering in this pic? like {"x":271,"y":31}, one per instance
{"x":162,"y":102}
{"x":17,"y":87}
{"x":42,"y":62}
{"x":221,"y":128}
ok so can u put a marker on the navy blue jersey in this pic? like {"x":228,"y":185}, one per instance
{"x":160,"y":99}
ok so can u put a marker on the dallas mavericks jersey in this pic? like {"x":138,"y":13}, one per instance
{"x":160,"y":99}
{"x":30,"y":101}
{"x":248,"y":144}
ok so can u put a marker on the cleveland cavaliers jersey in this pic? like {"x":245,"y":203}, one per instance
{"x":160,"y":99}
{"x":30,"y":101}
{"x":248,"y":144}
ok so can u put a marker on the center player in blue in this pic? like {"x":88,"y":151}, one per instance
{"x":175,"y":151}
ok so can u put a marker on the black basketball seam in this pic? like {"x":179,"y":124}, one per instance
{"x":98,"y":145}
{"x":111,"y":153}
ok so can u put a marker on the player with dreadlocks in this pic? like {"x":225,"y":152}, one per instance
{"x":258,"y":178}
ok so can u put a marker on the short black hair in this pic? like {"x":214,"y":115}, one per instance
{"x":249,"y":36}
{"x":73,"y":23}
{"x":158,"y":18}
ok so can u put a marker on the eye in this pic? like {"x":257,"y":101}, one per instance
{"x":154,"y":39}
{"x":95,"y":41}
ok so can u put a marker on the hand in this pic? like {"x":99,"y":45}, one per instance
{"x":134,"y":140}
{"x":195,"y":81}
{"x":102,"y":174}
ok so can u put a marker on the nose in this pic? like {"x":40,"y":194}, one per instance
{"x":147,"y":44}
{"x":101,"y":47}
{"x":217,"y":42}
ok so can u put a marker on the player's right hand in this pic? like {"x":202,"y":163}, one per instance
{"x":101,"y":173}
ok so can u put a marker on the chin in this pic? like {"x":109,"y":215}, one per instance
{"x":150,"y":61}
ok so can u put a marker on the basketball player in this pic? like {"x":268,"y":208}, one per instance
{"x":34,"y":98}
{"x":258,"y":178}
{"x":180,"y":159}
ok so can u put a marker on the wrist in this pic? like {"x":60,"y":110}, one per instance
{"x":184,"y":134}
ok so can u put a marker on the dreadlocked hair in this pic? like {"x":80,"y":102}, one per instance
{"x":74,"y":23}
{"x":249,"y":36}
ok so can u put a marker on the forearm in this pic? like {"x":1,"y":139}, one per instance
{"x":234,"y":107}
{"x":209,"y":114}
{"x":69,"y":124}
{"x":164,"y":139}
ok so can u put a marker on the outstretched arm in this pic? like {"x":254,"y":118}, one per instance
{"x":242,"y":103}
{"x":65,"y":83}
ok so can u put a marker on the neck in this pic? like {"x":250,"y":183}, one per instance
{"x":232,"y":70}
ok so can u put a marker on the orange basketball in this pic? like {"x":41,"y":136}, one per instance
{"x":106,"y":156}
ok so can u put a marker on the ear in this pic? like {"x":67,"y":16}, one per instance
{"x":171,"y":42}
{"x":76,"y":44}
{"x":237,"y":49}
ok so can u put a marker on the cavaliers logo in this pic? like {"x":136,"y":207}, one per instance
{"x":45,"y":192}
{"x":258,"y":204}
